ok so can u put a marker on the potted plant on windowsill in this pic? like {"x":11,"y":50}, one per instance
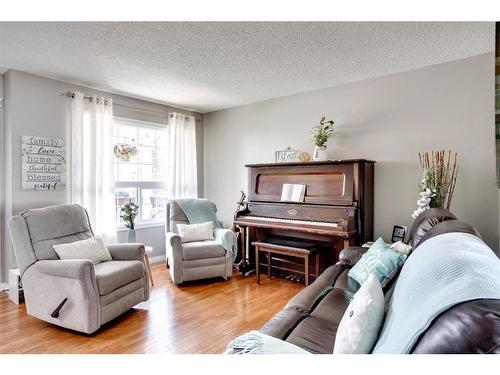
{"x":128,"y":214}
{"x":321,"y":133}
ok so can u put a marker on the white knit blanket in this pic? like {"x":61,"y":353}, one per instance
{"x":445,"y":270}
{"x":255,"y":342}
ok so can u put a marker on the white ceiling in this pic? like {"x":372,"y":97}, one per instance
{"x":211,"y":65}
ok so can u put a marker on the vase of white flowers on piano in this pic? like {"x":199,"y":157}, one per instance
{"x":321,"y":133}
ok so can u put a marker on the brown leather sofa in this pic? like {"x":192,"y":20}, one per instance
{"x":310,"y":319}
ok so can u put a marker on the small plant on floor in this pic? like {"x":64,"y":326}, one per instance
{"x":128,"y":214}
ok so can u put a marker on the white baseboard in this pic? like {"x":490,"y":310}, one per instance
{"x":4,"y":286}
{"x":157,"y":259}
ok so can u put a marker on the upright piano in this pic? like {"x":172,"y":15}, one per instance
{"x":337,"y":209}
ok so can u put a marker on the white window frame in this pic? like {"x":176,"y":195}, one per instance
{"x":139,"y":185}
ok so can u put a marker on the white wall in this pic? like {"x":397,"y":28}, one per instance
{"x":387,"y":119}
{"x":34,"y":106}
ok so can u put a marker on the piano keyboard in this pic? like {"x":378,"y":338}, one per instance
{"x":294,"y":221}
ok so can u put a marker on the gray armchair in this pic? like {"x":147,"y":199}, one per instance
{"x":192,"y":260}
{"x":93,"y":294}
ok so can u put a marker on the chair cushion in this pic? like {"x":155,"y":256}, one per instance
{"x":54,"y":225}
{"x":175,"y":216}
{"x":316,"y":332}
{"x":202,"y":250}
{"x":117,"y":273}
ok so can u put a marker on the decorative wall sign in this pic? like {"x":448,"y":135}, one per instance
{"x":43,"y":163}
{"x":287,"y":156}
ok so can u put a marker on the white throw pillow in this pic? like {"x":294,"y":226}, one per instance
{"x":196,"y":232}
{"x":359,"y":328}
{"x":401,"y":247}
{"x":92,"y":248}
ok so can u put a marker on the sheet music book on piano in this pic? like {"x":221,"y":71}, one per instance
{"x":293,"y":193}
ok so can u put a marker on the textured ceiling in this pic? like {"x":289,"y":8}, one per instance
{"x":210,"y":65}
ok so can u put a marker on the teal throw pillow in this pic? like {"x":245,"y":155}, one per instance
{"x":381,"y":260}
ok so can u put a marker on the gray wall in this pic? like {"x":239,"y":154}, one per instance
{"x":2,"y":152}
{"x":34,"y":106}
{"x":387,"y":119}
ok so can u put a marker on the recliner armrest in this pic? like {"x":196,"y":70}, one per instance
{"x":351,"y":255}
{"x":173,"y":248}
{"x":68,"y":268}
{"x":126,"y":251}
{"x":173,"y":239}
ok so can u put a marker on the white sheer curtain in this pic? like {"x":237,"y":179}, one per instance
{"x":181,"y":165}
{"x":91,"y":178}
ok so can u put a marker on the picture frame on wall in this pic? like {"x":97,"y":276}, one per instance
{"x":43,"y":163}
{"x":398,"y":233}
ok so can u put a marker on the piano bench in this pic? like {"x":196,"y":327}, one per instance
{"x":293,"y":248}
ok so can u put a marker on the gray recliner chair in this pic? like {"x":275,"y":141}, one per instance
{"x":192,"y":260}
{"x":93,"y":294}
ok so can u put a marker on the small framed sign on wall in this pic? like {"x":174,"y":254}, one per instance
{"x":43,"y":163}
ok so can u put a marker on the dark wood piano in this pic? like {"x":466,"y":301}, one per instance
{"x":337,"y":210}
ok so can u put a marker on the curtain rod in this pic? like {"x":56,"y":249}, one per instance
{"x":154,"y":111}
{"x":71,"y":95}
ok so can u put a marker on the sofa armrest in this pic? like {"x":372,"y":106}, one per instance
{"x":68,"y":268}
{"x":351,"y":255}
{"x":126,"y":251}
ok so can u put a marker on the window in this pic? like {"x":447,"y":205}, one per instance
{"x":140,"y":169}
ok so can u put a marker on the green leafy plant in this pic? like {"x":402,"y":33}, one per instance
{"x":128,"y":214}
{"x":322,"y":132}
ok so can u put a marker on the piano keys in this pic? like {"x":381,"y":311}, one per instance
{"x":337,"y":210}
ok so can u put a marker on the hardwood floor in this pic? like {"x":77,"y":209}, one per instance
{"x":199,"y":317}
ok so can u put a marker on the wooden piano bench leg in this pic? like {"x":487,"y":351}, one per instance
{"x":269,"y":258}
{"x":257,"y":266}
{"x":306,"y":270}
{"x":316,"y":265}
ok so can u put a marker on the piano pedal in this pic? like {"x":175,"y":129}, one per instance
{"x":295,"y":278}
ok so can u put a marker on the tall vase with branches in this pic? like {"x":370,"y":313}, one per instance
{"x":439,"y":178}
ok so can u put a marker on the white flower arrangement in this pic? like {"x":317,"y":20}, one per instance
{"x":438,"y":180}
{"x":423,"y":203}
